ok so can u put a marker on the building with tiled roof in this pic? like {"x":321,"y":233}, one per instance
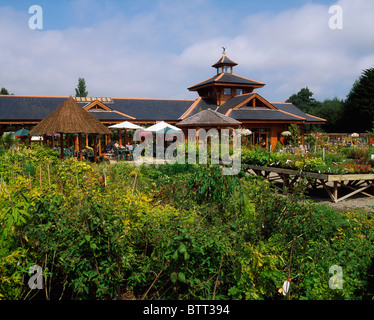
{"x":225,"y":92}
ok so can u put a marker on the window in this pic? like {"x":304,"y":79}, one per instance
{"x":227,"y":91}
{"x":227,"y":69}
{"x":239,"y":91}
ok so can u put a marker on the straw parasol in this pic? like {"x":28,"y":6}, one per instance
{"x":68,"y":118}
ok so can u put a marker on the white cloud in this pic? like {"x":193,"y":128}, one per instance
{"x":296,"y":48}
{"x":160,"y":52}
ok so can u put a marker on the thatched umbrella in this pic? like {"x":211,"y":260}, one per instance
{"x":209,"y":118}
{"x":68,"y":118}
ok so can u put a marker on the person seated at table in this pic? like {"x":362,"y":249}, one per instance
{"x":109,"y":146}
{"x":116,"y":144}
{"x":129,"y":146}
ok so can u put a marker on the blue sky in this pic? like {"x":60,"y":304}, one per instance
{"x":156,"y":49}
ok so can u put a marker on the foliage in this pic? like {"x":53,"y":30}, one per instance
{"x":345,"y":160}
{"x":295,"y":134}
{"x":332,"y":110}
{"x":80,"y":90}
{"x":7,"y":140}
{"x":256,"y":156}
{"x":4,"y":91}
{"x":359,"y":105}
{"x":170,"y":232}
{"x":303,"y":100}
{"x":358,"y":153}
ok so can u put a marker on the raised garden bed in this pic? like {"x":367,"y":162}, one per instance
{"x":357,"y":183}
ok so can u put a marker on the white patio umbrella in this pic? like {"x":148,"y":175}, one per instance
{"x":163,"y":127}
{"x":355,"y":135}
{"x":286,"y":134}
{"x":125,"y":125}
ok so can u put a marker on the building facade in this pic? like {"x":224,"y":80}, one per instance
{"x":225,"y":92}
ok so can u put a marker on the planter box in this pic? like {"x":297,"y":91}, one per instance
{"x":357,"y":182}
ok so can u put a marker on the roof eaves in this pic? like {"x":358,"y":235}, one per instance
{"x":189,"y":110}
{"x":318,"y":118}
{"x":290,"y":114}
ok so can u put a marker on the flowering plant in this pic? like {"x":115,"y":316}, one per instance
{"x":355,"y":168}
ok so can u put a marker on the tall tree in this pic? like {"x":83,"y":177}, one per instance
{"x":4,"y":91}
{"x":359,"y":105}
{"x":80,"y":90}
{"x":331,"y":110}
{"x":304,"y":100}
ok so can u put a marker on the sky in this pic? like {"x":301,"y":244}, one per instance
{"x":158,"y":48}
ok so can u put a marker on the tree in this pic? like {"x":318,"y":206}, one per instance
{"x":331,"y":110}
{"x":359,"y":105}
{"x":7,"y":140}
{"x":295,"y":134}
{"x":80,"y":91}
{"x":4,"y":91}
{"x":304,"y":100}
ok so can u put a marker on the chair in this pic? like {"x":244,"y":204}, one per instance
{"x":116,"y":153}
{"x":122,"y":154}
{"x":110,"y":154}
{"x":131,"y":155}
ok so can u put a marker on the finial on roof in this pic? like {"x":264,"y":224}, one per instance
{"x":224,"y":50}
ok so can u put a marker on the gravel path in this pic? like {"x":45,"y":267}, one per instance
{"x":358,"y":201}
{"x":355,"y":202}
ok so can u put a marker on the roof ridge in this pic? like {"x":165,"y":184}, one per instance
{"x":309,"y":115}
{"x":31,"y":96}
{"x":281,"y":102}
{"x":65,"y":97}
{"x":154,"y":99}
{"x":291,"y":114}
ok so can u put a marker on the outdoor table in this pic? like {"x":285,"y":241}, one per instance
{"x":121,"y":153}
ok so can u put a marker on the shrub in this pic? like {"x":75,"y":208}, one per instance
{"x":172,"y":232}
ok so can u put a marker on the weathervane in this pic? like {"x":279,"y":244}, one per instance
{"x":224,"y":50}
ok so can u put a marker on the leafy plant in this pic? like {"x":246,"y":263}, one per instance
{"x":172,"y":232}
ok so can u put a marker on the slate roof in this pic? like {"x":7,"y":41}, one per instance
{"x":36,"y":108}
{"x":108,"y":116}
{"x":199,"y":105}
{"x":28,"y":108}
{"x":208,"y":117}
{"x":227,"y":78}
{"x":284,"y":112}
{"x":289,"y":107}
{"x":261,"y":114}
{"x":224,"y":61}
{"x":152,"y":109}
{"x":233,"y":102}
{"x":69,"y":117}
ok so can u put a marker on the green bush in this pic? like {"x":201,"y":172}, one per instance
{"x":171,"y":232}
